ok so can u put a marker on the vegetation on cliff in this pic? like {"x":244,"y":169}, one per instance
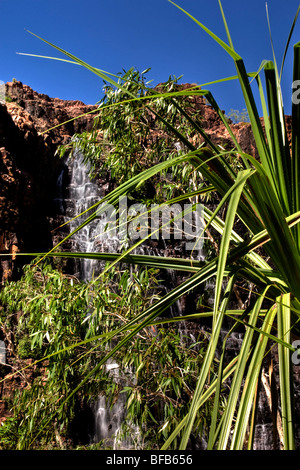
{"x":263,"y":194}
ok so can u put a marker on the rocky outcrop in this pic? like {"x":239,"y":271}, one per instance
{"x":214,"y":127}
{"x":29,"y":168}
{"x":31,"y":129}
{"x":48,"y":112}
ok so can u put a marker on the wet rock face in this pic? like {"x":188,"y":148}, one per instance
{"x":29,"y":169}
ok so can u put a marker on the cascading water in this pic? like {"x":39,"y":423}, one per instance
{"x":2,"y":352}
{"x":82,"y":195}
{"x":78,"y":196}
{"x":108,"y":420}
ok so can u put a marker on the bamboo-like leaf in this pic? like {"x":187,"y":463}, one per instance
{"x":66,"y":61}
{"x":210,"y":390}
{"x":226,"y":25}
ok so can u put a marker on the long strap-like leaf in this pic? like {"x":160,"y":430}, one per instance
{"x":218,"y":309}
{"x":235,"y":386}
{"x":285,"y":371}
{"x":250,"y":384}
{"x":295,"y":171}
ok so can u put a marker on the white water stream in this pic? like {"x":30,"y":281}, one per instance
{"x":79,"y":195}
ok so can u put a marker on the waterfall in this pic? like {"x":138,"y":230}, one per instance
{"x":84,"y":194}
{"x":2,"y":353}
{"x":108,"y":420}
{"x":76,"y":193}
{"x":75,"y":197}
{"x":79,"y":195}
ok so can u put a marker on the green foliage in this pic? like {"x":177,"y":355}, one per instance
{"x":52,"y":317}
{"x":44,"y":312}
{"x":128,"y":137}
{"x":24,"y":348}
{"x":9,"y":434}
{"x":166,"y":370}
{"x":8,"y":98}
{"x":263,"y":194}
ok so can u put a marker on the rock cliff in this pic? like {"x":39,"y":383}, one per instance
{"x":29,"y":168}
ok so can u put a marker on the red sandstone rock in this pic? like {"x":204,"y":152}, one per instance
{"x":29,"y":167}
{"x":46,"y":112}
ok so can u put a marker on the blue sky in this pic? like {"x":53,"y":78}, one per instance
{"x":121,"y":34}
